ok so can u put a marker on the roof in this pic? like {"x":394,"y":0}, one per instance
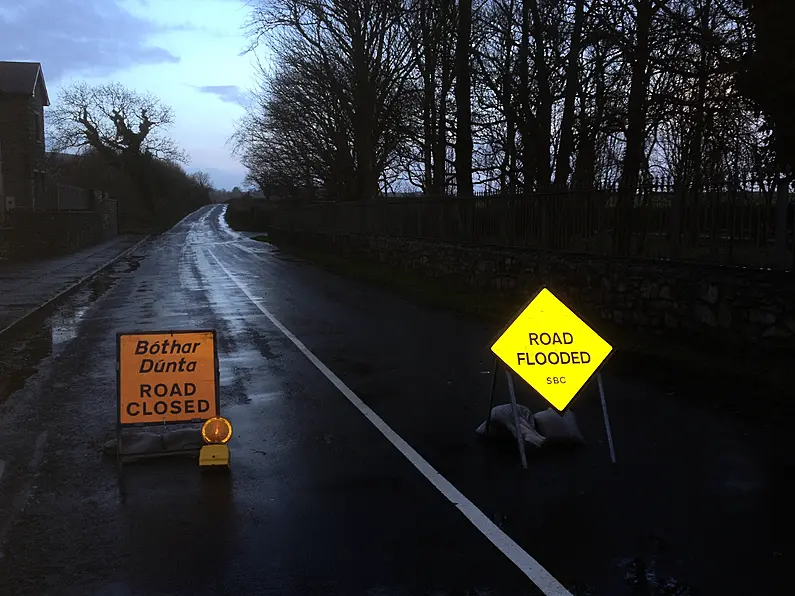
{"x":21,"y":78}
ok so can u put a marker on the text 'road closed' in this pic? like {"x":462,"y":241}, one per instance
{"x":167,"y":377}
{"x":552,"y":349}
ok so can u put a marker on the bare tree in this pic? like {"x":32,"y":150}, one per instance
{"x":202,"y":180}
{"x":428,"y":27}
{"x":126,"y":129}
{"x":513,"y":94}
{"x":339,"y":92}
{"x":463,"y":99}
{"x":114,"y":121}
{"x":297,"y":133}
{"x":566,"y":147}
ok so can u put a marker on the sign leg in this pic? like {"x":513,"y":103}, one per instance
{"x":515,"y":409}
{"x":491,"y":395}
{"x":120,"y":464}
{"x":607,"y":420}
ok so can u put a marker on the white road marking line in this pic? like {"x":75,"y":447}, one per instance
{"x":527,"y":564}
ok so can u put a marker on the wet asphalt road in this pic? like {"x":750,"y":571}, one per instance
{"x":318,"y":501}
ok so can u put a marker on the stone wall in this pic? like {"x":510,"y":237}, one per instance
{"x":34,"y":234}
{"x":693,"y":303}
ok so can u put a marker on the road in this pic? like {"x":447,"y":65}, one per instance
{"x":354,"y":411}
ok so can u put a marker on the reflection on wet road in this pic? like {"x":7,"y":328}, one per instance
{"x":318,"y":501}
{"x":23,"y":351}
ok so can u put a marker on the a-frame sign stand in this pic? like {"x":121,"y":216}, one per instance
{"x":551,"y":348}
{"x":514,"y":408}
{"x":164,"y":377}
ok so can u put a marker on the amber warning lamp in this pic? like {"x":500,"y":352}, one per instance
{"x":216,"y":433}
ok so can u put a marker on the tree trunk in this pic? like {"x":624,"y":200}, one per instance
{"x":525,"y":124}
{"x":585,"y":174}
{"x":507,"y":175}
{"x":544,"y":111}
{"x":429,"y":91}
{"x":783,"y":257}
{"x":463,"y":137}
{"x":563,"y":162}
{"x":440,"y":149}
{"x":693,"y":168}
{"x":636,"y":128}
{"x":363,"y":121}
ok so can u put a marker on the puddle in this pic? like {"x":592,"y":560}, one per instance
{"x":649,"y":571}
{"x":132,"y":262}
{"x":64,"y":325}
{"x":265,"y":396}
{"x":19,"y":360}
{"x":23,"y":352}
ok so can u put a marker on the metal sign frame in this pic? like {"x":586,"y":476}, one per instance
{"x":500,"y":363}
{"x":120,"y":455}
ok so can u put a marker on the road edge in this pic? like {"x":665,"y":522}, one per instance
{"x":63,"y":293}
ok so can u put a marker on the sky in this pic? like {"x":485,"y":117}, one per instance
{"x":186,"y":52}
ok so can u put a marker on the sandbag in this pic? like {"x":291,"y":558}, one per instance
{"x":136,"y":443}
{"x":558,"y":429}
{"x":183,"y":438}
{"x":142,"y":442}
{"x":502,"y":424}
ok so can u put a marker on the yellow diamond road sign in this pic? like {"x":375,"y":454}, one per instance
{"x":552,"y":349}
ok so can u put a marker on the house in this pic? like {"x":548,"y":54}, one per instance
{"x":23,"y":97}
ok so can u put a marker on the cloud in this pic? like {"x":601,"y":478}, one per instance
{"x":89,"y":37}
{"x":228,"y":93}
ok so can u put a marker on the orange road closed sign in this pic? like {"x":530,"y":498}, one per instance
{"x":167,"y":376}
